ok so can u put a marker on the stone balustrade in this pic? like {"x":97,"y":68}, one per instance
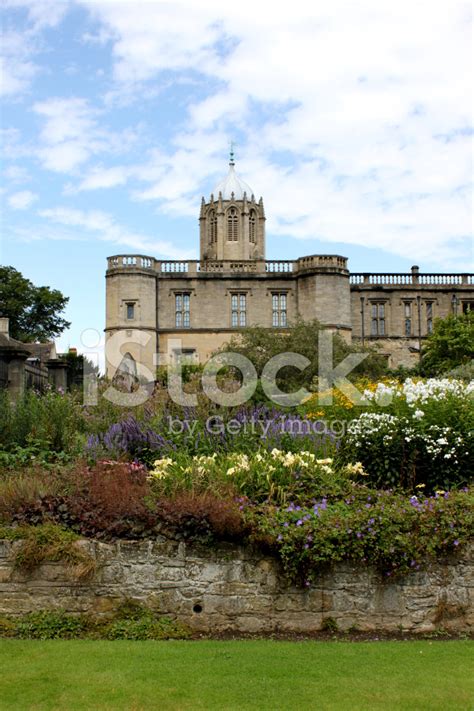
{"x":285,"y":266}
{"x":216,"y":266}
{"x":410,"y":279}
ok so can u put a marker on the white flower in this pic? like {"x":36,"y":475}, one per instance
{"x":418,"y":414}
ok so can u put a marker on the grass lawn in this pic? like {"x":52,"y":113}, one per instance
{"x":257,"y":675}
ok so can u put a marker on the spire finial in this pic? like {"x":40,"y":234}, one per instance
{"x":231,"y":155}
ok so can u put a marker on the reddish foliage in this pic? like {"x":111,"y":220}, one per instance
{"x":202,"y":517}
{"x":110,"y":500}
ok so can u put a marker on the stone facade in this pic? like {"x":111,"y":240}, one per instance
{"x":158,"y":311}
{"x":228,"y":588}
{"x":28,"y":365}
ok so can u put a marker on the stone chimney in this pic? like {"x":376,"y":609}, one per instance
{"x":5,"y":327}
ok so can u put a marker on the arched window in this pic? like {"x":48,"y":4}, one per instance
{"x":253,"y":226}
{"x":212,"y":226}
{"x":232,"y":225}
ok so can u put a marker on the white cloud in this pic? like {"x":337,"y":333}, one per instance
{"x":104,"y":227}
{"x":22,"y":200}
{"x":72,"y":134}
{"x":16,"y":173}
{"x":339,"y":110}
{"x":19,"y":49}
{"x":41,"y":13}
{"x":16,"y":68}
{"x":100,"y":177}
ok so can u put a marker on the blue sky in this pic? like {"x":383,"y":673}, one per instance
{"x":352,"y":120}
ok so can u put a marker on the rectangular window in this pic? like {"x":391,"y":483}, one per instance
{"x":238,"y":310}
{"x":407,"y":313}
{"x":182,"y":318}
{"x":130,"y":312}
{"x":378,"y":319}
{"x":467,"y":306}
{"x":429,"y":317}
{"x":185,"y":356}
{"x":279,"y":310}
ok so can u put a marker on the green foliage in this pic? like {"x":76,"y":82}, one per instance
{"x":462,"y":372}
{"x":393,"y":532}
{"x":57,"y":624}
{"x":45,"y":422}
{"x":329,"y":624}
{"x":134,"y":621}
{"x":260,"y":344}
{"x":450,"y":345}
{"x":77,"y":365}
{"x":421,"y":432}
{"x":275,"y":476}
{"x":46,"y":624}
{"x":34,"y":311}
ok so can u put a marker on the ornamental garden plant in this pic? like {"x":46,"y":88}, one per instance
{"x":385,"y":481}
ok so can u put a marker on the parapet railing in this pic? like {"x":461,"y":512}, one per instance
{"x":411,"y":279}
{"x":226,"y":266}
{"x":130,"y":260}
{"x":285,"y":266}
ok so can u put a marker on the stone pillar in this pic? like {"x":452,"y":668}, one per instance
{"x":415,"y":271}
{"x":57,"y":373}
{"x":16,"y":374}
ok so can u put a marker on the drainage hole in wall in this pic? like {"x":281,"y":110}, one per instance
{"x":197,"y":608}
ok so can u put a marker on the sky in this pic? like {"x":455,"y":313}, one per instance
{"x":353,"y":120}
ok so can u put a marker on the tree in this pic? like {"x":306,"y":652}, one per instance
{"x":259,"y":344}
{"x":34,"y":311}
{"x":450,"y":345}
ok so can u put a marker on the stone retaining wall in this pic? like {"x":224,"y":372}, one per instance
{"x":229,"y":588}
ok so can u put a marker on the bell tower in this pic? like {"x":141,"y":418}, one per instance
{"x":232,"y":223}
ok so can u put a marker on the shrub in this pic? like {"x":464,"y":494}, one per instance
{"x":393,"y":532}
{"x":49,"y":421}
{"x":57,"y":624}
{"x":420,"y":433}
{"x":450,"y":345}
{"x":259,"y":345}
{"x":147,"y":626}
{"x":47,"y":624}
{"x":108,"y":500}
{"x":262,"y":476}
{"x":105,"y":501}
{"x":128,"y":439}
{"x":202,"y":517}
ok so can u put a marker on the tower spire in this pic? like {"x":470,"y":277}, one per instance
{"x":231,"y":155}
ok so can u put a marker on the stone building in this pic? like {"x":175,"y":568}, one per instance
{"x":28,"y":365}
{"x":158,"y":311}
